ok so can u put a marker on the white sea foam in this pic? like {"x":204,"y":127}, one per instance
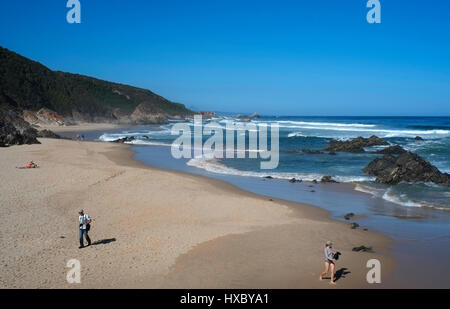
{"x":215,"y":166}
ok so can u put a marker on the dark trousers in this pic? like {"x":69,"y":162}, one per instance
{"x":85,"y":233}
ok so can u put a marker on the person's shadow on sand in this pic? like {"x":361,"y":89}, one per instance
{"x":103,"y":242}
{"x":341,"y":273}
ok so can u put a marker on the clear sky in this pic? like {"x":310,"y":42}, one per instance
{"x":271,"y":57}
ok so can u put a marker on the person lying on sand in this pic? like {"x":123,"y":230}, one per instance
{"x":330,"y":261}
{"x":29,"y":165}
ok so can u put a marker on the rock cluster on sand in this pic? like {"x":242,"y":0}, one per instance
{"x":9,"y":135}
{"x":362,"y":249}
{"x":355,"y":145}
{"x":208,"y":114}
{"x":407,"y":167}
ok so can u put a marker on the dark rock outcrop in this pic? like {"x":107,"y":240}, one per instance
{"x":48,"y":134}
{"x":355,"y":145}
{"x":294,"y":180}
{"x":418,"y":138}
{"x":309,"y":151}
{"x":396,"y":150}
{"x":354,"y":225}
{"x":146,"y":113}
{"x":43,"y":96}
{"x":407,"y":167}
{"x":349,"y":216}
{"x":9,"y":135}
{"x":327,"y":179}
{"x":14,"y":130}
{"x":124,"y":140}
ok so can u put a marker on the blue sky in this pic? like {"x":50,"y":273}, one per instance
{"x":272,"y":57}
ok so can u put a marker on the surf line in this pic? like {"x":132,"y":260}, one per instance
{"x":190,"y":143}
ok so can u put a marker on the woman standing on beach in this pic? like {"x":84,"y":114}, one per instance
{"x":329,"y":261}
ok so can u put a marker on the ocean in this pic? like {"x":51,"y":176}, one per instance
{"x":296,"y":133}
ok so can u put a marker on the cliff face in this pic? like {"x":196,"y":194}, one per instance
{"x":41,"y":95}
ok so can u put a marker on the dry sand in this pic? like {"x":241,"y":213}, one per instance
{"x":159,"y":229}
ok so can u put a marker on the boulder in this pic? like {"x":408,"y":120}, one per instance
{"x":407,"y":167}
{"x":391,"y":150}
{"x":147,"y":113}
{"x":327,"y":179}
{"x":294,"y":180}
{"x":11,"y":135}
{"x":362,"y":249}
{"x":354,"y":225}
{"x":355,"y":145}
{"x":349,"y":216}
{"x":418,"y":138}
{"x":124,"y":140}
{"x":208,"y":114}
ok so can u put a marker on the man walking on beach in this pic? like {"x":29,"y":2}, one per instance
{"x":85,"y":224}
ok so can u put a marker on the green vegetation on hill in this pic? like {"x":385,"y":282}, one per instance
{"x":28,"y":85}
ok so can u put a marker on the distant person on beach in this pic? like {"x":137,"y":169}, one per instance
{"x":85,"y":225}
{"x":330,"y":261}
{"x":29,"y":165}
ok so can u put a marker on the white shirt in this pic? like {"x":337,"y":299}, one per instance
{"x":84,"y":219}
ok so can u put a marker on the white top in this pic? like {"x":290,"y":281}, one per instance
{"x":84,"y":219}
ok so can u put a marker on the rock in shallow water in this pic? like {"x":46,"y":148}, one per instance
{"x":355,"y":145}
{"x":396,"y":149}
{"x":407,"y":167}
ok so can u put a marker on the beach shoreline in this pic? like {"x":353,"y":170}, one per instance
{"x":151,"y":238}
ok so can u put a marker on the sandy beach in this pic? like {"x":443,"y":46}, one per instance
{"x":160,"y":229}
